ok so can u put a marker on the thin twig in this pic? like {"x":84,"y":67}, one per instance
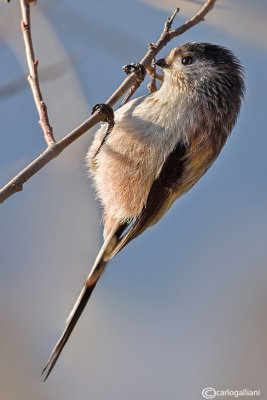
{"x":151,"y":69}
{"x":16,"y":184}
{"x":152,"y":86}
{"x":198,"y":17}
{"x":33,"y":77}
{"x":168,"y":23}
{"x":152,"y":73}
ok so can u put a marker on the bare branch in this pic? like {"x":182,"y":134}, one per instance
{"x":168,"y":23}
{"x":200,"y":16}
{"x":16,"y":184}
{"x":33,"y":77}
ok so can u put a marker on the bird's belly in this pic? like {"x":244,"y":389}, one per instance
{"x":126,"y":170}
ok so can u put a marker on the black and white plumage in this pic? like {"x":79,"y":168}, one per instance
{"x":159,"y":148}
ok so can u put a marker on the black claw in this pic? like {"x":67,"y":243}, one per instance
{"x":138,"y":68}
{"x":109,"y":118}
{"x":107,"y":110}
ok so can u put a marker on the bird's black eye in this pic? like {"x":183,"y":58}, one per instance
{"x":187,"y":60}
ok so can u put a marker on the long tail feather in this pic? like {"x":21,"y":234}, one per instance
{"x":83,"y":299}
{"x":89,"y":285}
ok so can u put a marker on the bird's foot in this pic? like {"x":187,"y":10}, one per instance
{"x":107,"y":111}
{"x":109,"y":118}
{"x":135,"y":67}
{"x":140,"y":71}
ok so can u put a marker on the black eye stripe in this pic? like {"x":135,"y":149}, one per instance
{"x":187,"y":60}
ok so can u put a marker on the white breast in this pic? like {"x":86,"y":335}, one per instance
{"x":157,"y":121}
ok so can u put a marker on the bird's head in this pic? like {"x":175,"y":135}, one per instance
{"x":203,"y":66}
{"x":209,"y":74}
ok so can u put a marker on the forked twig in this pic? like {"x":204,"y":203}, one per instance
{"x":168,"y":23}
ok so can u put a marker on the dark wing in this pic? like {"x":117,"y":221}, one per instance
{"x":160,"y":196}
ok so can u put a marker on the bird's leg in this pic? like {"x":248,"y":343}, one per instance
{"x":140,"y":71}
{"x":109,"y":118}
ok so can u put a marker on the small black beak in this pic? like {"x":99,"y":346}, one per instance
{"x":162,"y":63}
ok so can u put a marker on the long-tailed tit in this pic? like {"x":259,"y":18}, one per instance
{"x":160,"y":146}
